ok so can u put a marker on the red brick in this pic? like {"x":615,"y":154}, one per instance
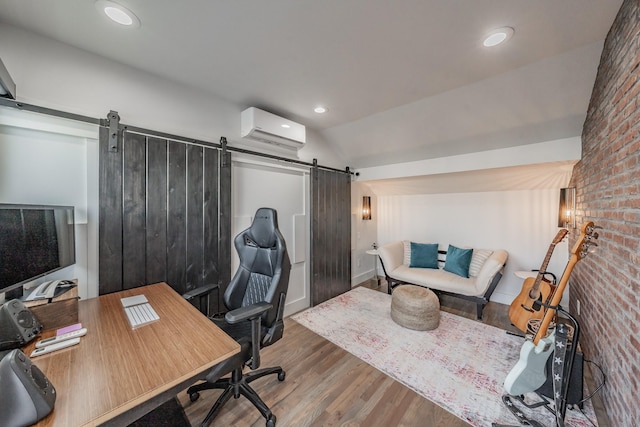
{"x":608,"y":182}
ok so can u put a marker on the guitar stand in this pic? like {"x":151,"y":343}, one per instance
{"x":561,"y":371}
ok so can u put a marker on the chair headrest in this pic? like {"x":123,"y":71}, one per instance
{"x":263,"y":228}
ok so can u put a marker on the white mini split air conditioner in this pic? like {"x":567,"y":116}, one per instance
{"x":263,"y":126}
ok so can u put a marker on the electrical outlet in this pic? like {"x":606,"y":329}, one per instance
{"x":578,"y":307}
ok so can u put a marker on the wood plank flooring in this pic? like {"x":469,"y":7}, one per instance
{"x":327,"y":386}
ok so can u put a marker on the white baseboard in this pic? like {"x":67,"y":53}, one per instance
{"x":357,"y":279}
{"x":295,"y":306}
{"x":502,"y":298}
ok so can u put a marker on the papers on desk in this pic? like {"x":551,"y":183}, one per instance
{"x":138,"y":310}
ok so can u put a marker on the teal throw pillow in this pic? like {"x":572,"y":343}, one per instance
{"x":458,"y":261}
{"x":424,"y":255}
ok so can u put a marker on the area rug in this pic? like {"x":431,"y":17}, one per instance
{"x":460,"y":366}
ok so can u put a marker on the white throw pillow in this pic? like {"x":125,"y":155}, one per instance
{"x":407,"y":252}
{"x":478,"y":259}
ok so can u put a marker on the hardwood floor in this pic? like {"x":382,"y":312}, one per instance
{"x":327,"y":386}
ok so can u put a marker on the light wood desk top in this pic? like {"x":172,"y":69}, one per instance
{"x":119,"y":372}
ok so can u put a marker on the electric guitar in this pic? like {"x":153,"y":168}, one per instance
{"x":529,"y":373}
{"x":522,"y":308}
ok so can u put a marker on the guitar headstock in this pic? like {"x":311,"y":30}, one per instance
{"x":587,"y":239}
{"x":561,"y":233}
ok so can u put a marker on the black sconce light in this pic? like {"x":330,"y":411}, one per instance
{"x":567,"y":208}
{"x":366,"y":207}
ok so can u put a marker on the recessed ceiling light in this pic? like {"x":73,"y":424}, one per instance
{"x":286,"y":126}
{"x":118,"y":13}
{"x":498,"y":36}
{"x":320,"y":109}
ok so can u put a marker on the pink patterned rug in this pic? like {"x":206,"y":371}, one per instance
{"x":461,"y":365}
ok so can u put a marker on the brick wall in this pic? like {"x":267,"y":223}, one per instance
{"x":607,"y":180}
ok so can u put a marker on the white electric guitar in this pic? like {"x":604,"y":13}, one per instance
{"x":529,"y":373}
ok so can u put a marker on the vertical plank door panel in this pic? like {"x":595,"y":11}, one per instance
{"x":195,"y":232}
{"x":176,"y":217}
{"x":133,"y":210}
{"x":225,"y":242}
{"x":331,"y":231}
{"x":110,"y":216}
{"x":156,"y":247}
{"x":211,"y":270}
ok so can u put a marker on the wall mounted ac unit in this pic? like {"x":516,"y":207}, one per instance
{"x":263,"y":126}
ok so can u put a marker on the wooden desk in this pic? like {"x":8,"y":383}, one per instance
{"x":117,"y":374}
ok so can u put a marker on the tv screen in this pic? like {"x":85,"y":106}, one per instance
{"x":34,"y":241}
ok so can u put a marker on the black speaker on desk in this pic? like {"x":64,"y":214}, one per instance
{"x":18,"y":325}
{"x":27,"y":394}
{"x":574,"y":393}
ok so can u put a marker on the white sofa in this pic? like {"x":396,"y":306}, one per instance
{"x":484,"y":274}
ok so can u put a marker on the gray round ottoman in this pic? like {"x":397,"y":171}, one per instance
{"x":415,"y":307}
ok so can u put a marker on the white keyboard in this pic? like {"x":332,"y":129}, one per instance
{"x":139,"y":311}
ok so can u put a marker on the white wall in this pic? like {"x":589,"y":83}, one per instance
{"x":364,"y":233}
{"x":521,"y":222}
{"x":259,"y":184}
{"x":50,"y":161}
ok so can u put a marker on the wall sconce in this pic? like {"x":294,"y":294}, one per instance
{"x":366,"y":207}
{"x":567,"y":208}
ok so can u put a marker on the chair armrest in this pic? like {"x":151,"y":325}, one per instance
{"x":200,"y":291}
{"x":391,"y":256}
{"x":248,"y":312}
{"x":251,"y":312}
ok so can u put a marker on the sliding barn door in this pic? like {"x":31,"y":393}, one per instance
{"x":330,"y":234}
{"x":164,"y":214}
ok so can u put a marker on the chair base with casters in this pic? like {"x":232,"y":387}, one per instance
{"x":242,"y":324}
{"x":237,"y":385}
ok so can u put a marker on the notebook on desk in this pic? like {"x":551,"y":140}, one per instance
{"x":138,"y":310}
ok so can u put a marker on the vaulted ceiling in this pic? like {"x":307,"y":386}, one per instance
{"x":403,"y":80}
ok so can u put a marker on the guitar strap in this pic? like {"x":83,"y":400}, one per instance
{"x":557,"y":369}
{"x":558,"y":374}
{"x":524,"y":421}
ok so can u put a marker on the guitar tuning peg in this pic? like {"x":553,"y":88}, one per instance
{"x":592,"y":228}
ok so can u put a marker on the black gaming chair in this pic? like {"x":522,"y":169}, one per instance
{"x":255,"y":298}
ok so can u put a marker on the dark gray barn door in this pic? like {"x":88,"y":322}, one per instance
{"x":164,"y":215}
{"x":330,"y":234}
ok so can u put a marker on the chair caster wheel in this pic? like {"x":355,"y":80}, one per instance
{"x":271,"y":421}
{"x":194,"y":396}
{"x":281,"y":376}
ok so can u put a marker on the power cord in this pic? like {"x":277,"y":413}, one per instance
{"x":597,"y":389}
{"x":9,"y":344}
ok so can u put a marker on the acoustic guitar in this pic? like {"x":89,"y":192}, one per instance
{"x":529,"y":373}
{"x":522,"y":308}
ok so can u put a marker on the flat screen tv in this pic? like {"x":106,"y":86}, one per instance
{"x":35,"y":240}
